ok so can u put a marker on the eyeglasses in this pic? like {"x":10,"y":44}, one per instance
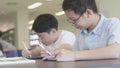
{"x":74,"y":21}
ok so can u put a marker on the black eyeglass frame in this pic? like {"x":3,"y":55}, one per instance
{"x":74,"y":21}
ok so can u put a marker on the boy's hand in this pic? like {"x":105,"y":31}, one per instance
{"x":26,"y":54}
{"x":46,"y":55}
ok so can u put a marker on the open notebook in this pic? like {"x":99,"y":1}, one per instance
{"x":15,"y":60}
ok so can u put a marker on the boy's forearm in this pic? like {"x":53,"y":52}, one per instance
{"x":112,"y":51}
{"x":35,"y":52}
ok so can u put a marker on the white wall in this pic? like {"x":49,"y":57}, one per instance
{"x":110,"y":8}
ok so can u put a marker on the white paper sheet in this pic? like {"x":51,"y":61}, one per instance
{"x":15,"y":60}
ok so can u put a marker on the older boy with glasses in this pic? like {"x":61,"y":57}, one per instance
{"x":98,"y":37}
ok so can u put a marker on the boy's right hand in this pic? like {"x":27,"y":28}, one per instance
{"x":46,"y":55}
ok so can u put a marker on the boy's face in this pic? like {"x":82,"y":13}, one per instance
{"x":77,"y":20}
{"x":45,"y":38}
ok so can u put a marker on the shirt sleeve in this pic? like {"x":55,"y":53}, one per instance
{"x":69,"y":38}
{"x":7,"y":45}
{"x":76,"y":44}
{"x":114,"y":32}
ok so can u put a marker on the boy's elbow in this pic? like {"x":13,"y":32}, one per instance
{"x":117,"y":51}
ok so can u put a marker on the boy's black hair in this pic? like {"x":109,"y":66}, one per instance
{"x":79,"y":6}
{"x":44,"y":23}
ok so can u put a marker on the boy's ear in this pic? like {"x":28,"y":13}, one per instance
{"x":52,"y":31}
{"x":88,"y":13}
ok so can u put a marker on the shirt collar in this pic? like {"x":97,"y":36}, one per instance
{"x":97,"y":29}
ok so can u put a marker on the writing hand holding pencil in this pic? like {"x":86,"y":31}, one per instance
{"x":26,"y":49}
{"x":40,"y":44}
